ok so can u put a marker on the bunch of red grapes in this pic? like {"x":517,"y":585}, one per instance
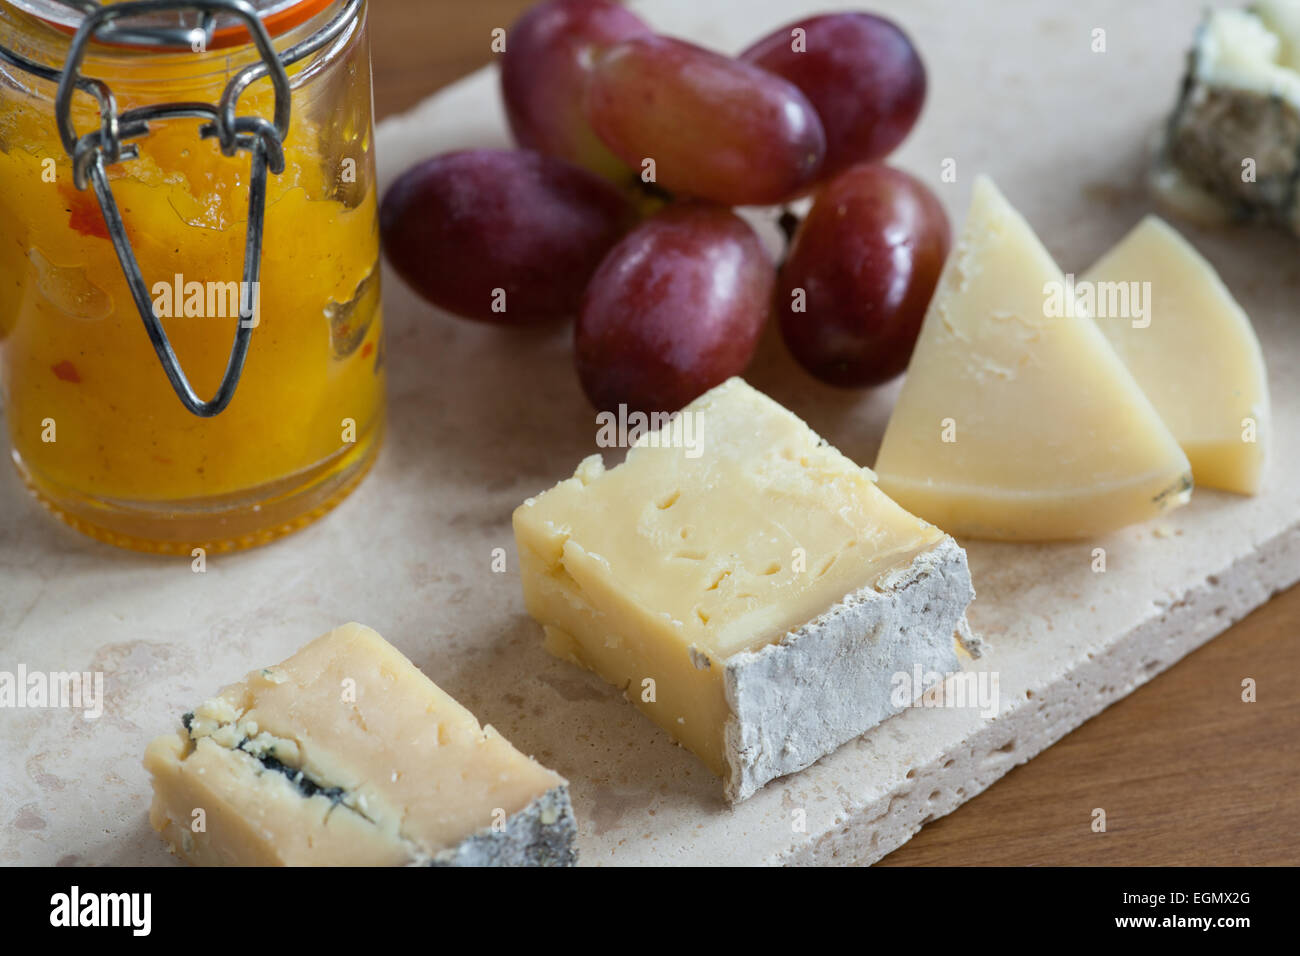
{"x":617,"y":208}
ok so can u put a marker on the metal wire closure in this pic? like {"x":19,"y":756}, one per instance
{"x":93,"y":152}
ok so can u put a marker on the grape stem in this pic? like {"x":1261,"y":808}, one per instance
{"x":788,"y":222}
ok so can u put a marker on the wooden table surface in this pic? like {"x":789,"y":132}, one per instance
{"x":1187,"y":773}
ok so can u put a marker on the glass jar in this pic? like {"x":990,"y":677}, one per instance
{"x":108,"y":418}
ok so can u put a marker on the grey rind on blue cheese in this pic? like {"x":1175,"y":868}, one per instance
{"x":541,"y":834}
{"x":831,"y":680}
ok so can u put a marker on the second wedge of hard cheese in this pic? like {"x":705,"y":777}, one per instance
{"x":1017,"y":421}
{"x":748,"y":587}
{"x":346,"y":755}
{"x":1193,"y":351}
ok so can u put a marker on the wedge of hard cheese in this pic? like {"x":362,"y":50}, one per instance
{"x":744,"y":584}
{"x":1194,"y":353}
{"x":1017,"y":420}
{"x":347,"y":755}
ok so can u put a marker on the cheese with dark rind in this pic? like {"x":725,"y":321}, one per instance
{"x":1231,"y":148}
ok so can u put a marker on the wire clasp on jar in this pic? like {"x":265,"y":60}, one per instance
{"x":92,"y":153}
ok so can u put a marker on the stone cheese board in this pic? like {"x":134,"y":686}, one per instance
{"x":482,"y":418}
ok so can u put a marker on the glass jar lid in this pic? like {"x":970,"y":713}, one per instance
{"x":174,"y":28}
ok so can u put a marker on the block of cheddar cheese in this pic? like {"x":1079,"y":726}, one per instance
{"x":347,"y":755}
{"x":747,"y":586}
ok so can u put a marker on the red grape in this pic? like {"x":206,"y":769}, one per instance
{"x":861,"y":73}
{"x":867,"y":259}
{"x":549,"y":54}
{"x":482,"y":228}
{"x":716,"y":128}
{"x":675,"y":309}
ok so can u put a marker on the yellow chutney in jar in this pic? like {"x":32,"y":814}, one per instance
{"x":96,"y":429}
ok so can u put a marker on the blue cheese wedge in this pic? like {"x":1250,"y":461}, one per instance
{"x":347,"y":755}
{"x":747,"y":586}
{"x":1232,"y":147}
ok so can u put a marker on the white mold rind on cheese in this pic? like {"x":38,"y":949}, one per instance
{"x":1240,"y":103}
{"x":831,"y":679}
